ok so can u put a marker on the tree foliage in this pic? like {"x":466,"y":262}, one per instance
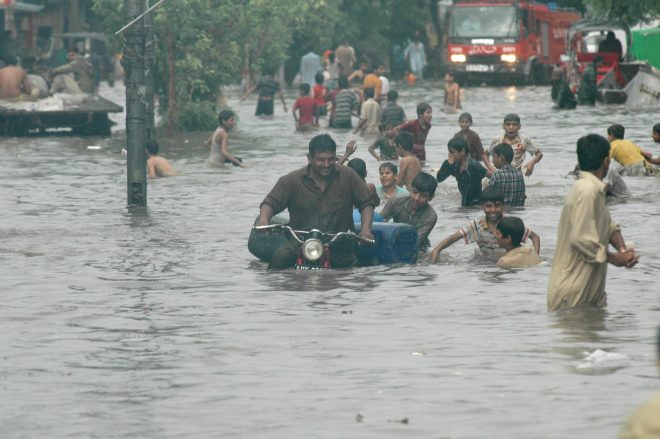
{"x":629,"y":12}
{"x":208,"y":43}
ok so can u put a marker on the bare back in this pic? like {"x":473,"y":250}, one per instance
{"x":158,"y":166}
{"x":12,"y":79}
{"x":409,"y":167}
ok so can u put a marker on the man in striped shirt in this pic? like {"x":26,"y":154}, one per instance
{"x":344,"y":104}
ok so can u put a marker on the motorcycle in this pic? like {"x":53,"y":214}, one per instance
{"x":315,"y":245}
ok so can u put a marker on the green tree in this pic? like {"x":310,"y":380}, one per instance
{"x":629,"y":12}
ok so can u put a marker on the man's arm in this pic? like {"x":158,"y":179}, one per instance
{"x":529,"y":167}
{"x":26,"y":85}
{"x":623,"y":257}
{"x":224,"y":150}
{"x":249,"y":92}
{"x":265,"y":214}
{"x":444,"y":244}
{"x":536,"y":241}
{"x":424,"y":230}
{"x":351,"y":147}
{"x":444,"y":172}
{"x":372,"y":151}
{"x":151,"y":169}
{"x":367,"y":217}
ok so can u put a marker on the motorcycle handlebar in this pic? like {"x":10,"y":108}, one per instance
{"x":294,"y":233}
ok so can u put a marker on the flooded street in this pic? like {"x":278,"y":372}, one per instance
{"x":162,"y":324}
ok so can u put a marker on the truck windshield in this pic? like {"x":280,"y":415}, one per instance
{"x":484,"y":22}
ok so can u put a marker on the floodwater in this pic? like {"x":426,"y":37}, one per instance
{"x":162,"y":324}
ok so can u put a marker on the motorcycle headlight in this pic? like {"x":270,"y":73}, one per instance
{"x":312,"y":250}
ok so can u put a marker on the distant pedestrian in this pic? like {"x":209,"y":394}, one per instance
{"x":345,"y":103}
{"x":267,"y":88}
{"x":307,"y":117}
{"x":416,"y":58}
{"x":345,"y":56}
{"x":310,"y":65}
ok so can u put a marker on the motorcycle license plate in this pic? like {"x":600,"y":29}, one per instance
{"x":308,"y":267}
{"x":478,"y":68}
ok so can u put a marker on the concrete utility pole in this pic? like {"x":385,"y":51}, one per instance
{"x":134,"y":65}
{"x":150,"y":61}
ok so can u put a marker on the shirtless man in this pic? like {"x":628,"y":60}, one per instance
{"x":452,"y":94}
{"x":14,"y":84}
{"x":157,"y":166}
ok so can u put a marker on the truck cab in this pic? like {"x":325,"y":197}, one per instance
{"x":505,"y":40}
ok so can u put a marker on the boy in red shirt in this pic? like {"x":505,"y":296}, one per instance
{"x":307,"y":117}
{"x":419,"y":129}
{"x":320,"y":91}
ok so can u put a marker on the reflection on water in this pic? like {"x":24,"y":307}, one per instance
{"x":159,"y":323}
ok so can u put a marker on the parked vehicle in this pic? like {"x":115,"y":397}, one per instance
{"x":514,"y":41}
{"x":619,"y":78}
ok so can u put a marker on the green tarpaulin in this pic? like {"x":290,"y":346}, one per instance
{"x":646,"y":46}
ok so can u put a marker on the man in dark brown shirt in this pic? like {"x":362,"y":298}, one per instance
{"x":321,"y":196}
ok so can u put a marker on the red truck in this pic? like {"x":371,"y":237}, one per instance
{"x":509,"y":41}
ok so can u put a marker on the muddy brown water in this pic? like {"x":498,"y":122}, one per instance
{"x":161,"y":324}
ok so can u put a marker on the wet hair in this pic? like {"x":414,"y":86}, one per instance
{"x":322,"y":143}
{"x":491,"y":195}
{"x":422,"y":108}
{"x":656,"y":128}
{"x":404,"y":140}
{"x":392,"y":96}
{"x":11,"y":60}
{"x":304,"y":89}
{"x":504,"y":150}
{"x":388,"y":165}
{"x":617,"y":131}
{"x":457,"y":144}
{"x":152,"y":147}
{"x":512,"y":117}
{"x":359,"y":166}
{"x":319,"y":78}
{"x":592,"y":149}
{"x":424,"y":182}
{"x":512,"y":227}
{"x":225,"y":115}
{"x":465,"y":115}
{"x":342,"y":82}
{"x":369,"y":92}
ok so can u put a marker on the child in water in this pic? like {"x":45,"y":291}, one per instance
{"x":475,"y":146}
{"x":157,"y":166}
{"x":219,"y":141}
{"x":308,"y":116}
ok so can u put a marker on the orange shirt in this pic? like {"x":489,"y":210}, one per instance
{"x":373,"y":80}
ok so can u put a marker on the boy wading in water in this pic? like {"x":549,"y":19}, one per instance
{"x":519,"y":143}
{"x":415,"y":209}
{"x":419,"y":129}
{"x":267,"y":88}
{"x":467,"y":171}
{"x":509,"y":233}
{"x":388,"y":189}
{"x":157,"y":166}
{"x":219,"y":141}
